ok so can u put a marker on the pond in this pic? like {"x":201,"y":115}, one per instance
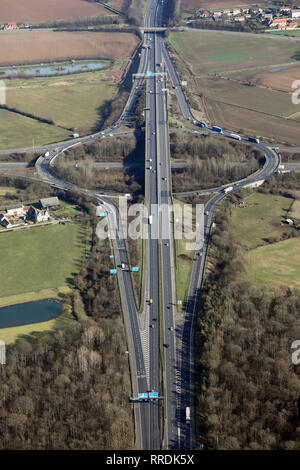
{"x":29,"y":312}
{"x":50,"y":70}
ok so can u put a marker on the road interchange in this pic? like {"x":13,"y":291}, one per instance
{"x":158,"y":426}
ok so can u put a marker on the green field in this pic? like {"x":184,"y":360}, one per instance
{"x":261,"y":218}
{"x":183,"y":262}
{"x":19,"y":131}
{"x":72,"y":101}
{"x":209,"y":52}
{"x":184,"y":265}
{"x":277,"y":264}
{"x":40,"y":258}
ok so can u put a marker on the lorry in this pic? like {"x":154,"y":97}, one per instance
{"x":150,"y":219}
{"x":235,"y":136}
{"x":217,"y":129}
{"x":187,"y":415}
{"x":254,"y":140}
{"x":202,"y":124}
{"x":228,"y":189}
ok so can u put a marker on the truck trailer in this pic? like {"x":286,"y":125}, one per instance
{"x":228,"y":189}
{"x":217,"y":129}
{"x":187,"y":415}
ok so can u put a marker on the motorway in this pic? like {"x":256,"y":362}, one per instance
{"x":171,"y":370}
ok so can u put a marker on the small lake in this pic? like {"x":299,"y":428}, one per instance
{"x":29,"y":312}
{"x":277,"y":69}
{"x":50,"y":70}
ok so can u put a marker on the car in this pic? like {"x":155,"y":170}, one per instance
{"x":206,"y":213}
{"x":151,"y":326}
{"x":169,"y":307}
{"x":171,"y":328}
{"x":166,"y":345}
{"x":164,"y":179}
{"x":167,"y":244}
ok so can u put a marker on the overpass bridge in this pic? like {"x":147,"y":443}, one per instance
{"x":152,"y":30}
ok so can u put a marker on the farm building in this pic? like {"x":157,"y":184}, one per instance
{"x":8,"y":222}
{"x":49,"y":202}
{"x":4,"y":221}
{"x":15,"y":210}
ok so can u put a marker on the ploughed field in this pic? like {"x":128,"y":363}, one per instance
{"x":47,"y":46}
{"x":42,"y":11}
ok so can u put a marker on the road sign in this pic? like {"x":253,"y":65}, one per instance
{"x":135,"y":269}
{"x":153,"y":395}
{"x":103,"y":214}
{"x":151,"y":74}
{"x":111,"y":256}
{"x":143,"y":395}
{"x":113,"y":271}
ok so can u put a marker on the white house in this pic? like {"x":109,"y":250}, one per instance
{"x":38,"y":215}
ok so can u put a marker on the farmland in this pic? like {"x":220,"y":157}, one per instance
{"x":35,"y":11}
{"x":49,"y":46}
{"x":276,"y":264}
{"x":244,"y":82}
{"x":260,"y":219}
{"x":260,"y":99}
{"x":211,"y":52}
{"x":25,"y":254}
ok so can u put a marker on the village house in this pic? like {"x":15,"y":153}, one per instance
{"x":268,"y":16}
{"x":288,"y":25}
{"x":278,"y":21}
{"x":217,"y":14}
{"x":285,"y":10}
{"x":296,"y":13}
{"x":10,"y":26}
